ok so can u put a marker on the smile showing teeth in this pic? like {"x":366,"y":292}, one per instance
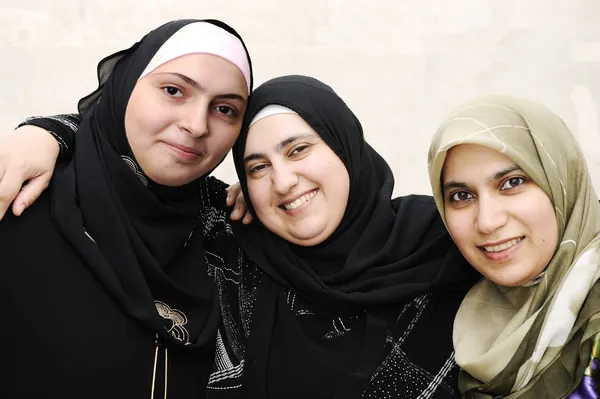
{"x":502,"y":247}
{"x":302,"y":200}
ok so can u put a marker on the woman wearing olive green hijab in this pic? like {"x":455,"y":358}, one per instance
{"x":512,"y":187}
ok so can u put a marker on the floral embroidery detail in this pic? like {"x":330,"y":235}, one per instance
{"x":179,"y":320}
{"x":135,"y":169}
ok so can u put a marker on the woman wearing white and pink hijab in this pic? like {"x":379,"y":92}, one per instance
{"x":108,"y":280}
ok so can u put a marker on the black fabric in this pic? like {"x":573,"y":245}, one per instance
{"x":66,"y":337}
{"x":141,"y":243}
{"x":385,"y":251}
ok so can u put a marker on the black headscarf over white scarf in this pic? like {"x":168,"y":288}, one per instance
{"x":141,"y":240}
{"x":385,"y":251}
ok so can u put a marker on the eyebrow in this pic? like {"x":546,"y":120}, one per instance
{"x":504,"y":172}
{"x":199,"y":87}
{"x":278,"y":147}
{"x":496,"y":176}
{"x":453,"y":184}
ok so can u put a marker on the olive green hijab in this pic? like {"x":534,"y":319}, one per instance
{"x":532,"y":341}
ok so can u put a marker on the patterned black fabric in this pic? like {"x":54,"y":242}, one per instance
{"x":417,"y":363}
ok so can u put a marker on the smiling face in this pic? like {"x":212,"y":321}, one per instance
{"x":297,"y":185}
{"x":502,"y":222}
{"x":183,"y":117}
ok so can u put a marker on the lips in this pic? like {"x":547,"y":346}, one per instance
{"x":503,"y":246}
{"x":184,"y":153}
{"x":298,"y":202}
{"x":187,"y":149}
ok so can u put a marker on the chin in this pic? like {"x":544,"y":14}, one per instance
{"x":509,"y":284}
{"x":172,"y":180}
{"x":307,"y":240}
{"x":172,"y":174}
{"x":510,"y":281}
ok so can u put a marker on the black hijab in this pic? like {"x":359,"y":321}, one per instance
{"x":384,"y":252}
{"x":143,"y":241}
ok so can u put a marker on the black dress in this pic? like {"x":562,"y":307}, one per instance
{"x":65,"y":336}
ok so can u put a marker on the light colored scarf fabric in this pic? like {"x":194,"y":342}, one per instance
{"x":532,"y":341}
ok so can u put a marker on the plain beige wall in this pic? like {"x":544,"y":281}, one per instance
{"x":401,"y":65}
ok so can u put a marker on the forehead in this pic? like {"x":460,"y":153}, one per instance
{"x":214,"y":73}
{"x":471,"y":161}
{"x":264,"y":135}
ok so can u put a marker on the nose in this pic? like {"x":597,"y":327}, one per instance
{"x":491,"y":214}
{"x":283,"y":177}
{"x":194,"y":120}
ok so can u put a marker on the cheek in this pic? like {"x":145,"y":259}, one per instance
{"x":343,"y":181}
{"x":543,"y":221}
{"x":230,"y":135}
{"x":145,"y":119}
{"x":331,"y":173}
{"x":258,"y":193}
{"x":334,"y":180}
{"x":224,"y":135}
{"x":459,"y":230}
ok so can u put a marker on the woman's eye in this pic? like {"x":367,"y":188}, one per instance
{"x":460,"y":196}
{"x":513,"y":182}
{"x":227,"y":110}
{"x":256,"y":168}
{"x":299,"y":149}
{"x":173,"y":91}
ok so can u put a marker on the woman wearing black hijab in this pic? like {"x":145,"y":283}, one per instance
{"x":105,"y":281}
{"x":366,"y":311}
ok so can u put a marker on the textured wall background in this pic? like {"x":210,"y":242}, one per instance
{"x":401,"y":65}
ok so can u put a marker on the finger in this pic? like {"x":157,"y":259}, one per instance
{"x":247,"y":218}
{"x":229,"y":200}
{"x":236,"y":215}
{"x":233,"y":193}
{"x":29,"y":193}
{"x":240,"y":205}
{"x":10,"y":185}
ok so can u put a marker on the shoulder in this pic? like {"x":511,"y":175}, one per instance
{"x":24,"y":236}
{"x":72,"y":121}
{"x":212,"y":192}
{"x":34,"y":218}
